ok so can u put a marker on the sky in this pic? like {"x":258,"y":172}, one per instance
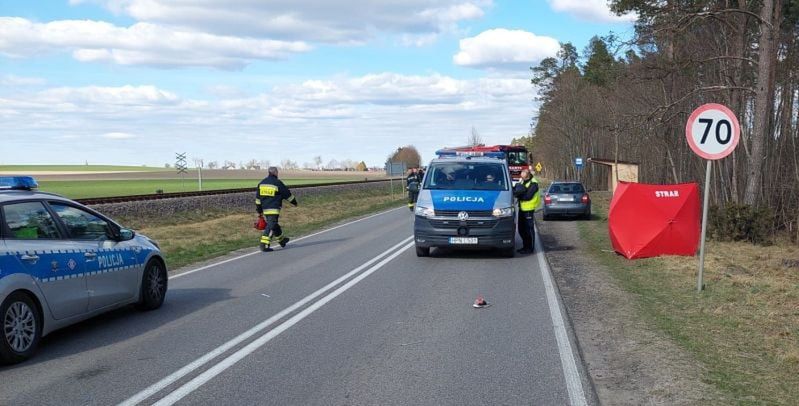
{"x":134,"y":81}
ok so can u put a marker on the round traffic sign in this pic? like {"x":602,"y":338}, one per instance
{"x":713,"y":131}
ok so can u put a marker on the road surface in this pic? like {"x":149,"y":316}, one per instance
{"x":348,"y":316}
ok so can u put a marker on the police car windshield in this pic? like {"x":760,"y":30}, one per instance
{"x":466,"y":176}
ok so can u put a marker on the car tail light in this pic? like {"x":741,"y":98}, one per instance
{"x":547,"y":200}
{"x":585,"y":198}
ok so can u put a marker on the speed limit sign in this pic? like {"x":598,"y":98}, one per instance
{"x":712,"y":131}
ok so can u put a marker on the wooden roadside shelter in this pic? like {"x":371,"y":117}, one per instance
{"x":619,"y":170}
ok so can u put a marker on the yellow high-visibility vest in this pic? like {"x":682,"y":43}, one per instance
{"x":532,"y":204}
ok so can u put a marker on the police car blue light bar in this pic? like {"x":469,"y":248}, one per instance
{"x":498,"y":155}
{"x":18,"y":183}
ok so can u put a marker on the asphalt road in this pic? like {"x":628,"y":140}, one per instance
{"x":349,"y":316}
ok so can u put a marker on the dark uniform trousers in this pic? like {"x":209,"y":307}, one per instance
{"x":273,"y":228}
{"x":526,"y":227}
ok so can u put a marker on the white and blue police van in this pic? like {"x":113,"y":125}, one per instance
{"x":466,"y":201}
{"x":62,"y":262}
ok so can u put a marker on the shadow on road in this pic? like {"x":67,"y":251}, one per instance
{"x":121,"y":325}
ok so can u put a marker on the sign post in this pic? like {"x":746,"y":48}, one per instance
{"x":538,"y":167}
{"x":394,"y":169}
{"x":713,"y":133}
{"x":578,"y":162}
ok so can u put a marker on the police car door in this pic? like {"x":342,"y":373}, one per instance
{"x":111,"y":268}
{"x":56,"y":264}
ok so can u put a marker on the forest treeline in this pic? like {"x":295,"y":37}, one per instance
{"x":629,"y":100}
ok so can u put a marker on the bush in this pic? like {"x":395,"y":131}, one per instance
{"x":739,"y":222}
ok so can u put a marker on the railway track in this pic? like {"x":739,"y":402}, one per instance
{"x":157,"y":196}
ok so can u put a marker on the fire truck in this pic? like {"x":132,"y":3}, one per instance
{"x":517,"y":156}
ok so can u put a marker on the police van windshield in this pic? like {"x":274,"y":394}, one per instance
{"x":466,"y":176}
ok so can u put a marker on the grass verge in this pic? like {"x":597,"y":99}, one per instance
{"x":77,"y":168}
{"x":744,"y":327}
{"x":82,"y":189}
{"x":198,"y":236}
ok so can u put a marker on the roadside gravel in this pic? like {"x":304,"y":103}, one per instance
{"x":630,"y":363}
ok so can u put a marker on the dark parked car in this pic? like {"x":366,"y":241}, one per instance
{"x":566,"y":199}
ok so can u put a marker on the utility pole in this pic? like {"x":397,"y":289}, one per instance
{"x":199,"y":164}
{"x":180,"y":165}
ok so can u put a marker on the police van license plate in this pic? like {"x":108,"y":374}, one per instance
{"x":463,"y":240}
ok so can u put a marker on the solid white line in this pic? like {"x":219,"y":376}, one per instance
{"x":202,"y":268}
{"x":199,"y":362}
{"x":570,"y":372}
{"x":209,"y":374}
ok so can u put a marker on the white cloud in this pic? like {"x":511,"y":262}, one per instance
{"x":118,"y":136}
{"x":362,"y":118}
{"x":591,"y":10}
{"x":139,"y":44}
{"x":331,"y":21}
{"x":14,"y":80}
{"x":501,"y":48}
{"x":119,"y":96}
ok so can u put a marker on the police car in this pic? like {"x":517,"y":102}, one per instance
{"x":466,"y":201}
{"x":61,"y":262}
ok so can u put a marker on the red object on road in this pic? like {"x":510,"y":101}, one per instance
{"x":260,"y":224}
{"x":652,"y":220}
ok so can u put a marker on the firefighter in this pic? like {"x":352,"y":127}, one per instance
{"x":412,"y":183}
{"x":268,"y":200}
{"x":529,"y":199}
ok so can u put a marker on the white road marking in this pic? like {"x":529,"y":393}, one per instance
{"x":202,"y":268}
{"x":199,"y":362}
{"x":226,"y":363}
{"x":574,"y":384}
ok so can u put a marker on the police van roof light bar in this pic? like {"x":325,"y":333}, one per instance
{"x":18,"y":183}
{"x":497,"y":155}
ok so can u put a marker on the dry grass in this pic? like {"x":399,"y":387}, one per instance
{"x":196,"y":237}
{"x":744,"y":327}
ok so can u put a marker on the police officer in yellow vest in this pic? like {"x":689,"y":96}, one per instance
{"x":529,"y":199}
{"x":268,"y":201}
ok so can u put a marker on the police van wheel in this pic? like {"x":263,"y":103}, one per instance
{"x":22,"y":328}
{"x":509,"y":252}
{"x":153,"y":286}
{"x":422,"y":251}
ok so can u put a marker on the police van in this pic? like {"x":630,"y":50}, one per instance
{"x":61,"y":262}
{"x":466,"y":201}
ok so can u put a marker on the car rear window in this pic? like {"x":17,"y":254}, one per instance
{"x":30,"y":221}
{"x":566,"y":188}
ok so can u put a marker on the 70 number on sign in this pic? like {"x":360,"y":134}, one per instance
{"x":709,"y":123}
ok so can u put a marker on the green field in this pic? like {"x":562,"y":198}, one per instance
{"x":82,"y":189}
{"x":76,"y":168}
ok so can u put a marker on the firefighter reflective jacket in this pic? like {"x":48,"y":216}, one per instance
{"x":270,"y":195}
